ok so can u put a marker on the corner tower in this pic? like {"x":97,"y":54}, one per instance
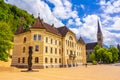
{"x":99,"y":35}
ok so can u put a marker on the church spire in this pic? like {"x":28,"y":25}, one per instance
{"x":99,"y":30}
{"x":99,"y":35}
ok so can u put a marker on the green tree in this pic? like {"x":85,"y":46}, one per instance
{"x":114,"y":52}
{"x":101,"y":55}
{"x":104,"y":55}
{"x":108,"y":57}
{"x":118,"y":46}
{"x":5,"y":41}
{"x":92,"y":56}
{"x":97,"y":55}
{"x":12,"y":16}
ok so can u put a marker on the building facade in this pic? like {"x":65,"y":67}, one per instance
{"x":52,"y":47}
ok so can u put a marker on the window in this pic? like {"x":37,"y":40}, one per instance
{"x":18,"y":60}
{"x":39,"y":37}
{"x":36,"y":59}
{"x":55,"y":50}
{"x":46,"y":39}
{"x":55,"y":60}
{"x":35,"y":36}
{"x":59,"y":51}
{"x":51,"y":41}
{"x":24,"y":41}
{"x":46,"y":60}
{"x":36,"y":48}
{"x":71,"y":53}
{"x":23,"y":49}
{"x":51,"y":60}
{"x":70,"y":38}
{"x":46,"y":49}
{"x":59,"y":43}
{"x":51,"y":50}
{"x":60,"y":60}
{"x":23,"y":60}
{"x":55,"y":42}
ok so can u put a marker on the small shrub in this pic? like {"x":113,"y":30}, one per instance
{"x":94,"y":62}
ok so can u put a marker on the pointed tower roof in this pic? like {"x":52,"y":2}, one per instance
{"x":38,"y":23}
{"x":99,"y":29}
{"x":81,"y":40}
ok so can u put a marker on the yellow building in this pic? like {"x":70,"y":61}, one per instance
{"x":52,"y":47}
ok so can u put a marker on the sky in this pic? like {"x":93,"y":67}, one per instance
{"x":80,"y":16}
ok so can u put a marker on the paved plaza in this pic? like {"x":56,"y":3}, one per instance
{"x":91,"y":72}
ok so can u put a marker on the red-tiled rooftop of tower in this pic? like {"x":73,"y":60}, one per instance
{"x":42,"y":25}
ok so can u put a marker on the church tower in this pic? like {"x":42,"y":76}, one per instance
{"x":99,"y":36}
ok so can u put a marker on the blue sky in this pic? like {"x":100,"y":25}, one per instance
{"x":79,"y":15}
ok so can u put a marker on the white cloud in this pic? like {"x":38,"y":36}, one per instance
{"x":110,"y":7}
{"x":88,"y":29}
{"x":116,"y":24}
{"x":110,"y":16}
{"x":63,"y":9}
{"x":78,"y":22}
{"x":111,"y":38}
{"x":111,"y":21}
{"x":35,"y":7}
{"x":70,"y":22}
{"x":102,"y":2}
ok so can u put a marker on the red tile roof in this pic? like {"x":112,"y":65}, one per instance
{"x":42,"y":25}
{"x":39,"y":24}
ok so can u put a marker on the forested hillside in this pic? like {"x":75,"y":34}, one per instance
{"x":11,"y":15}
{"x":10,"y":19}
